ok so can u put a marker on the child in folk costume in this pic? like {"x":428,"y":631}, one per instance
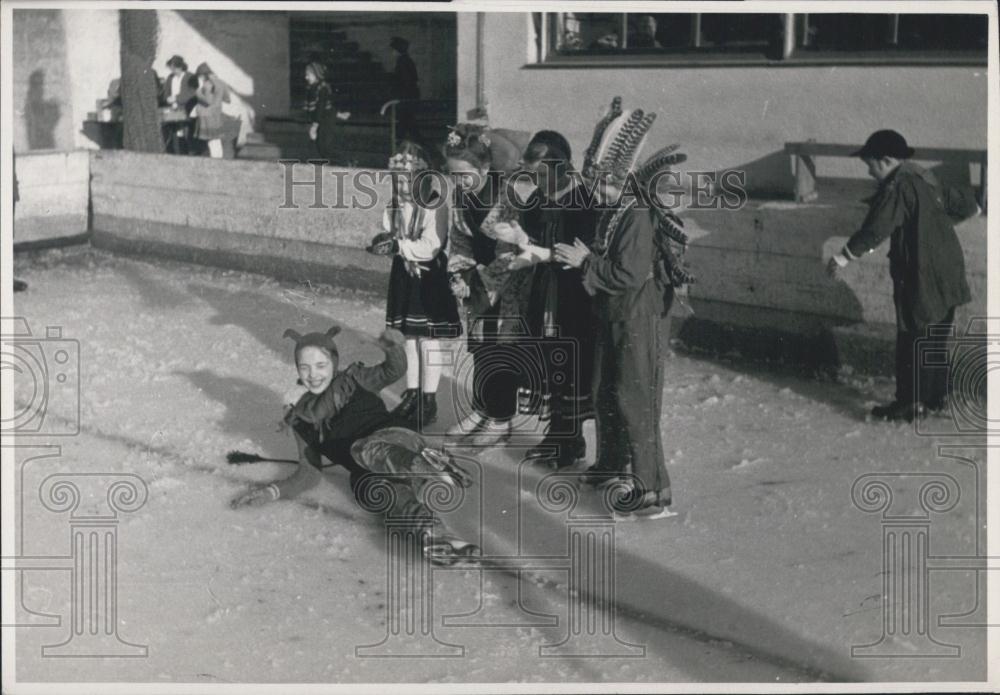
{"x":338,"y":418}
{"x":484,"y":237}
{"x":630,"y":271}
{"x":420,"y":303}
{"x":559,"y":309}
{"x":926,"y":263}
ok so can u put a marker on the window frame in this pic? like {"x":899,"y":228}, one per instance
{"x":793,"y":55}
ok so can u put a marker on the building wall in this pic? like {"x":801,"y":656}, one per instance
{"x":43,"y":100}
{"x":64,"y":61}
{"x":728,"y":117}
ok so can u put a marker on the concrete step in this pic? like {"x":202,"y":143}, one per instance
{"x":260,"y":150}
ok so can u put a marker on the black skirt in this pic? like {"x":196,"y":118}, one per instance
{"x":422,"y":306}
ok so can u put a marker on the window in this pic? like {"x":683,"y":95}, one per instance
{"x":579,"y":37}
{"x":892,"y":32}
{"x":593,"y":33}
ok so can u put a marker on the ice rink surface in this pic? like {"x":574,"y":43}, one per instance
{"x":769,"y":572}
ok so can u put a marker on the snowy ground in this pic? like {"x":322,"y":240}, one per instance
{"x":769,"y":573}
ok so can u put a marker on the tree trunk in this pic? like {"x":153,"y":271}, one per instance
{"x":139,"y":87}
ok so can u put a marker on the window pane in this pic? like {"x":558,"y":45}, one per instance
{"x":589,"y":31}
{"x":651,"y":32}
{"x":942,"y":32}
{"x":848,"y":32}
{"x":883,"y":32}
{"x":735,"y":31}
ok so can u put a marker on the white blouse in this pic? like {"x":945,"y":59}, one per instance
{"x":427,"y":241}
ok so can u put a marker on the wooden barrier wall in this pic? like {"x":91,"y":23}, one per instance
{"x":762,"y":288}
{"x":54,"y":190}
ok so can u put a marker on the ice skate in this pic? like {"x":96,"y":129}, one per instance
{"x":449,"y":550}
{"x":638,"y":505}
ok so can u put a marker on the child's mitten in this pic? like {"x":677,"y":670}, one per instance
{"x":383,"y":244}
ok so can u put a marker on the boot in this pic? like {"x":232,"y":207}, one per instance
{"x":407,"y":405}
{"x":599,"y":477}
{"x":899,"y":411}
{"x":558,"y":452}
{"x":428,"y":410}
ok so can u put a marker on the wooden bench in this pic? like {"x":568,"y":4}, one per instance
{"x":803,"y":154}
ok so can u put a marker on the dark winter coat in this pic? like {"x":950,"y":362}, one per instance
{"x":548,"y":224}
{"x":926,"y":262}
{"x":404,"y":79}
{"x":619,"y":272}
{"x":187,"y":97}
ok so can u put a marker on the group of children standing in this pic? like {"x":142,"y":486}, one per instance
{"x":582,"y":263}
{"x":563,"y":296}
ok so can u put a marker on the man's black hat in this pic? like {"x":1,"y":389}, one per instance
{"x":400,"y":44}
{"x":885,"y":143}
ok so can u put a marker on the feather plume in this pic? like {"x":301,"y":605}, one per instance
{"x":662,"y":159}
{"x":671,"y":226}
{"x":614,"y":112}
{"x":614,"y":141}
{"x":629,"y":153}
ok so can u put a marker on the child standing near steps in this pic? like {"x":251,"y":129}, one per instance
{"x":420,"y":304}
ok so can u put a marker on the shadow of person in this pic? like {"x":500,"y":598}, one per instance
{"x":41,"y":115}
{"x":252,"y":411}
{"x":154,"y":294}
{"x":644,"y":591}
{"x":266,"y":317}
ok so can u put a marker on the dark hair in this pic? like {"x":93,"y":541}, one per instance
{"x":177,"y":62}
{"x":548,"y":145}
{"x":470,"y":147}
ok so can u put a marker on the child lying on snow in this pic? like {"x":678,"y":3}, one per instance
{"x":339,"y":416}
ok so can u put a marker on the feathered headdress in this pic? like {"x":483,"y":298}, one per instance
{"x":617,"y":142}
{"x":614,"y":150}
